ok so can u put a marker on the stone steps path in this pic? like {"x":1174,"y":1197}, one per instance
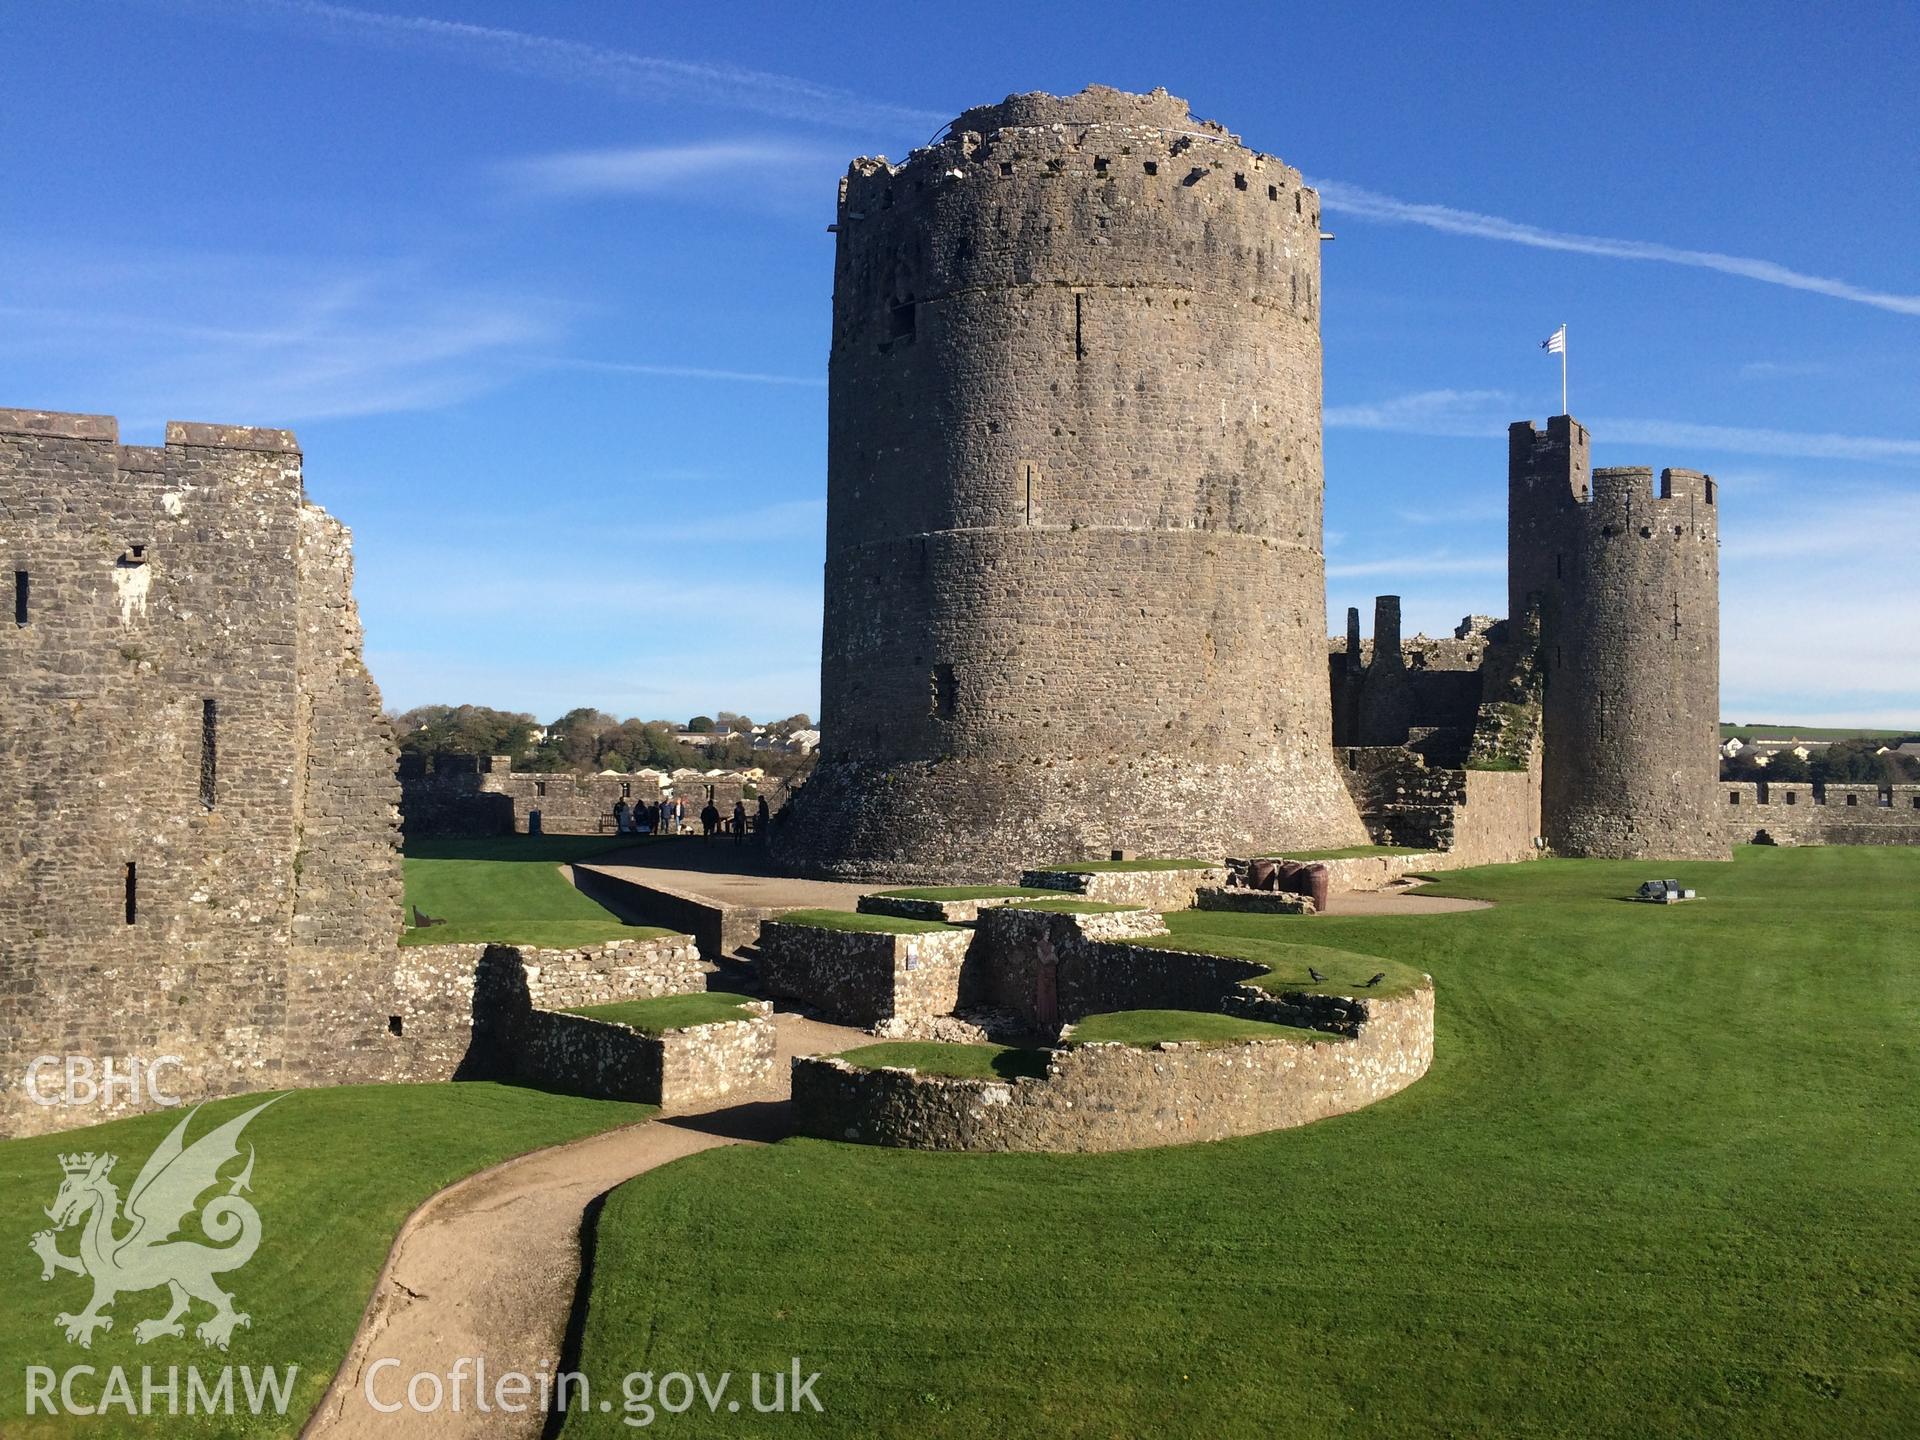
{"x":488,"y":1268}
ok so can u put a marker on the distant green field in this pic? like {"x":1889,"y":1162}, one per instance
{"x":508,"y":888}
{"x":1661,"y":1180}
{"x":1813,"y":732}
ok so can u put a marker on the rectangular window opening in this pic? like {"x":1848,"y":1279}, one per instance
{"x":209,"y":750}
{"x":133,"y":893}
{"x":395,"y":1025}
{"x":903,"y":321}
{"x":1079,"y":333}
{"x":21,"y":582}
{"x":942,"y":685}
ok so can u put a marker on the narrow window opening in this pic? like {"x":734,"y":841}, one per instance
{"x":1079,"y":333}
{"x":1006,"y":167}
{"x":1559,"y":567}
{"x":903,"y":322}
{"x":1853,"y":799}
{"x":1152,"y":167}
{"x":1099,"y":164}
{"x":941,"y":685}
{"x":209,"y":750}
{"x":1029,"y":479}
{"x":133,"y":893}
{"x":626,"y":789}
{"x":395,"y":1026}
{"x":1296,"y":202}
{"x":1239,"y":182}
{"x":1273,"y":192}
{"x":21,"y":582}
{"x":1733,"y":797}
{"x":540,"y":787}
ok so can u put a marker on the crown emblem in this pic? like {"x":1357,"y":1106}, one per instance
{"x":79,"y":1164}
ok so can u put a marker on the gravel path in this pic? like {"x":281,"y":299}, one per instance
{"x":488,"y":1267}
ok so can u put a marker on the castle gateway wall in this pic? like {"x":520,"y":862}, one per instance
{"x":1075,"y":593}
{"x":197,"y":805}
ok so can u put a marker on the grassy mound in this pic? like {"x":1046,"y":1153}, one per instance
{"x":1267,"y":940}
{"x":1350,"y":852}
{"x":509,"y":889}
{"x":935,"y":1057}
{"x":860,"y":921}
{"x":1661,"y":1180}
{"x":335,"y":1173}
{"x":963,"y":892}
{"x":1123,"y":867}
{"x":1058,"y":904}
{"x":1154,"y":1027}
{"x":668,"y":1012}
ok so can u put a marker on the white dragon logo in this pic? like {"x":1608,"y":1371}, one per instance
{"x":147,"y":1256}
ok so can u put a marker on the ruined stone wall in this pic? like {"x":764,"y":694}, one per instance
{"x":862,"y":978}
{"x":679,"y":1070}
{"x":1161,"y":890}
{"x":488,"y":797}
{"x":1074,"y":579}
{"x":197,"y":842}
{"x":1119,"y":1097}
{"x":1801,"y":813}
{"x":1628,"y":584}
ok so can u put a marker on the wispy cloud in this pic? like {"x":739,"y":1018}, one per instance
{"x":624,"y":73}
{"x":1782,"y":369}
{"x":1340,"y":198}
{"x":267,"y":340}
{"x":651,"y":169}
{"x":1425,"y":412}
{"x":679,"y":372}
{"x":1439,"y":562}
{"x":1485,"y":414}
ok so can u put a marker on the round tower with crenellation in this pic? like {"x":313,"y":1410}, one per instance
{"x":1627,"y":581}
{"x":1075,"y":592}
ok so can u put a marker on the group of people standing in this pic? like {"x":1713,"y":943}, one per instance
{"x":668,"y":817}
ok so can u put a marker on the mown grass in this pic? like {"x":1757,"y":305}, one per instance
{"x":863,"y":923}
{"x":1350,"y":852}
{"x":1662,"y":1179}
{"x":668,"y":1012}
{"x":1156,"y":1027}
{"x":335,"y":1173}
{"x":938,"y":1057}
{"x":1058,"y":904}
{"x":964,"y":892}
{"x":509,"y":889}
{"x":1122,"y":867}
{"x":1267,"y":940}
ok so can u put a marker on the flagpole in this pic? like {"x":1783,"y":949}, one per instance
{"x":1563,"y":370}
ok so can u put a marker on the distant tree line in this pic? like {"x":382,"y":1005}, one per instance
{"x":587,"y":741}
{"x":1844,"y":762}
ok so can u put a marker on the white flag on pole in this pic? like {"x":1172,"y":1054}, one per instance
{"x":1556,"y":343}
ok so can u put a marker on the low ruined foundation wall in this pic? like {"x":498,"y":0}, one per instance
{"x":949,"y":912}
{"x":1082,"y":965}
{"x":860,"y":978}
{"x":718,"y":929}
{"x":1161,"y":890}
{"x":677,"y":1070}
{"x":1119,"y":1097}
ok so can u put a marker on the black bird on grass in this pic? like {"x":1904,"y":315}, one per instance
{"x":1317,"y":976}
{"x":1378,"y":976}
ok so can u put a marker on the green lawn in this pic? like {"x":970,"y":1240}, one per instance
{"x":1268,"y":939}
{"x":938,"y":1057}
{"x":668,"y":1012}
{"x":1350,"y":852}
{"x":1812,"y":732}
{"x":335,"y":1173}
{"x":1662,"y":1179}
{"x":1153,"y":1027}
{"x":964,"y":892}
{"x":1059,"y":904}
{"x":1123,"y":867}
{"x":863,"y":922}
{"x":509,"y":888}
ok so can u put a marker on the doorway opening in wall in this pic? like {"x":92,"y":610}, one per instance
{"x":133,"y":893}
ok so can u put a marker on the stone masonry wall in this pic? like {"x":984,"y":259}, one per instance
{"x":1074,"y":578}
{"x":1802,"y":813}
{"x":484,"y":795}
{"x":197,"y":802}
{"x":1118,"y":1097}
{"x":679,"y":1070}
{"x":1160,"y":890}
{"x":862,"y":978}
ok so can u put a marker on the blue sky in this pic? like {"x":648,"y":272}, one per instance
{"x":544,"y":290}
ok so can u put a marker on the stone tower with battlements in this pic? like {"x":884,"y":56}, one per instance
{"x":1075,"y":592}
{"x":198,"y":827}
{"x":1627,"y":584}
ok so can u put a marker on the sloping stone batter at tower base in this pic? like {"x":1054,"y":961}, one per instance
{"x":1075,"y":593}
